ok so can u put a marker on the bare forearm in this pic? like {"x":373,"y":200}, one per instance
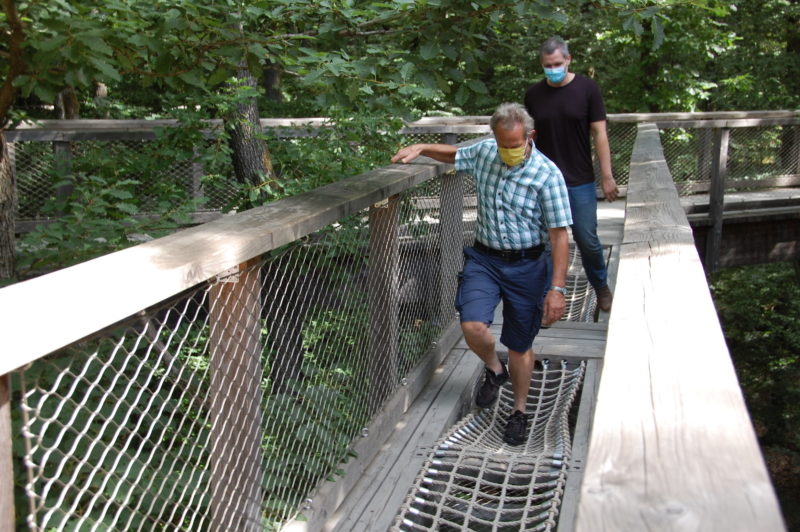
{"x":602,"y":148}
{"x":445,"y":153}
{"x":559,"y":246}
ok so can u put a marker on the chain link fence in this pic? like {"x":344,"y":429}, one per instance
{"x":757,"y":156}
{"x":224,"y":407}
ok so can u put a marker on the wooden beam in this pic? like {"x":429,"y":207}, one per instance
{"x":6,"y":460}
{"x":719,"y":172}
{"x":78,"y":301}
{"x":672,"y":446}
{"x":235,"y":397}
{"x":382,"y":297}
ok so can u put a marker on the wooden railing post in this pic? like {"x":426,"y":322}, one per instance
{"x":704,"y":154}
{"x":235,"y":398}
{"x":716,"y":200}
{"x":197,"y":175}
{"x":62,"y":161}
{"x":6,"y":464}
{"x":384,"y":258}
{"x":451,"y":242}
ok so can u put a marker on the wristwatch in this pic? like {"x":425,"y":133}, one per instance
{"x":560,"y":289}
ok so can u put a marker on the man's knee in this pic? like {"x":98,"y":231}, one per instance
{"x":474,"y":329}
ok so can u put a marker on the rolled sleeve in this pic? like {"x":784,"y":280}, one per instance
{"x":555,"y":202}
{"x":467,"y":156}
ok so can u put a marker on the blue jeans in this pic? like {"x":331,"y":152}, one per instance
{"x":583,"y":204}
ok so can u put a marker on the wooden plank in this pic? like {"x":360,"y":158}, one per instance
{"x":676,"y":450}
{"x":80,"y":300}
{"x":719,"y":173}
{"x":789,"y":180}
{"x":672,"y":446}
{"x":382,"y":298}
{"x":684,"y":117}
{"x":6,"y":461}
{"x":375,"y":501}
{"x":580,"y":445}
{"x":235,"y":396}
{"x":328,"y":496}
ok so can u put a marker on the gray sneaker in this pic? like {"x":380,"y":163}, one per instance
{"x":487,"y":393}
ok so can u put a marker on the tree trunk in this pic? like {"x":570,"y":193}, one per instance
{"x":252,"y":163}
{"x":272,"y":83}
{"x":67,"y":105}
{"x":8,"y":209}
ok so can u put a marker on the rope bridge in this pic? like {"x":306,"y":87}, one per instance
{"x":473,"y":480}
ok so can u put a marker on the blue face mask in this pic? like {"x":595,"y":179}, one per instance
{"x":555,"y":75}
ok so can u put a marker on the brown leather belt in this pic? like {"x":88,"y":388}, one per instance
{"x":511,"y":255}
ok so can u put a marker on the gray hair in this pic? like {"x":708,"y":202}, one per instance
{"x":509,"y":115}
{"x":553,"y":45}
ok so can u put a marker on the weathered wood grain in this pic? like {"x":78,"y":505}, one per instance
{"x":78,"y":301}
{"x":672,"y":446}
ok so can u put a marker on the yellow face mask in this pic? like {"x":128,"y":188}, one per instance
{"x":513,"y":156}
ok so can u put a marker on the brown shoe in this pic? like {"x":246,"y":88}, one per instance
{"x":604,"y":298}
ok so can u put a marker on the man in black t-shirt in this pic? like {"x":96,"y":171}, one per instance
{"x":568,"y":109}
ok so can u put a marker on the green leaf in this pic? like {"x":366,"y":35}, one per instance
{"x":192,"y":78}
{"x":96,"y":44}
{"x":107,"y":70}
{"x":477,"y":86}
{"x":52,"y":44}
{"x":428,"y":51}
{"x":44,"y":93}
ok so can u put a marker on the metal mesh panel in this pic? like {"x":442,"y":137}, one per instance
{"x":621,"y":137}
{"x":223,"y":408}
{"x":755,"y":154}
{"x":33,"y":162}
{"x":761,"y":152}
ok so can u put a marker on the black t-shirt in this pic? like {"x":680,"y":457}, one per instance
{"x":561,"y":118}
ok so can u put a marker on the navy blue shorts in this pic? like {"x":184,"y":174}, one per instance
{"x":521,"y":285}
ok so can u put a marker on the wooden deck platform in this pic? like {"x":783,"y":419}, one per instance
{"x":374,"y":501}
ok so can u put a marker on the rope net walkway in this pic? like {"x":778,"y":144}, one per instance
{"x":474,"y":481}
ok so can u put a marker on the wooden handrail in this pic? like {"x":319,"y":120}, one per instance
{"x":672,"y":446}
{"x":102,"y":129}
{"x":46,"y":313}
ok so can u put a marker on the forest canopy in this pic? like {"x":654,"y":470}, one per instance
{"x":363,"y":64}
{"x":406,"y":57}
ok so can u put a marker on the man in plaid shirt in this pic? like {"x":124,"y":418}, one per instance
{"x":522,"y":201}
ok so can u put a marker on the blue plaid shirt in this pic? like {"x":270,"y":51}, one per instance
{"x":516,"y":206}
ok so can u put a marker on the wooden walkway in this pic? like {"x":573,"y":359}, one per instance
{"x":376,"y":498}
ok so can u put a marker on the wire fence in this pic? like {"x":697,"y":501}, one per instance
{"x":755,"y":154}
{"x":224,"y":407}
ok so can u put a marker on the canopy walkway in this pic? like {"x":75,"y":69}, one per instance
{"x":299,"y":366}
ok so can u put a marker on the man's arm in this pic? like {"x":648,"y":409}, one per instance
{"x":445,"y":153}
{"x":603,"y":150}
{"x":554,"y":302}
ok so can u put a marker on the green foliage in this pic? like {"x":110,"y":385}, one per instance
{"x":348,"y":145}
{"x":112,"y":197}
{"x":759,"y":308}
